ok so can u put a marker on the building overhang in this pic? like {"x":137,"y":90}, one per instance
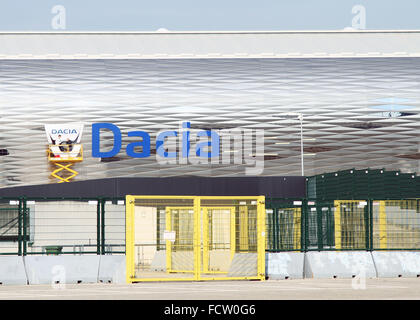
{"x":205,"y":45}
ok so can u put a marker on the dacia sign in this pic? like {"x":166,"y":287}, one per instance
{"x":144,"y":142}
{"x":63,"y":131}
{"x":188,"y":146}
{"x":71,"y":131}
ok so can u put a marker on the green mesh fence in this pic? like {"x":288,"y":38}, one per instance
{"x":97,"y":226}
{"x":62,"y":226}
{"x":365,"y":224}
{"x":396,"y":224}
{"x":284,"y":226}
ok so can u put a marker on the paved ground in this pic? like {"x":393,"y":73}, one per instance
{"x":399,"y":288}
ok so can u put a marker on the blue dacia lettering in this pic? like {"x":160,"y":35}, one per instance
{"x":145,"y":143}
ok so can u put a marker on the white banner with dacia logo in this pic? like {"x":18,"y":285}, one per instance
{"x":63,"y":133}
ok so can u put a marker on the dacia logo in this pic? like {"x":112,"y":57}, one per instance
{"x":63,"y":131}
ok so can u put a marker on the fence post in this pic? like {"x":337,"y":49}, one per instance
{"x":102,"y":225}
{"x":370,"y":202}
{"x":24,"y":226}
{"x":98,"y":227}
{"x":367,"y":225}
{"x":320,"y":232}
{"x":20,"y":208}
{"x":330,"y":226}
{"x":275,"y":229}
{"x":305,"y":234}
{"x":302,"y":229}
{"x":337,"y":224}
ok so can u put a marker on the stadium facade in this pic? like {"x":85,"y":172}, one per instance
{"x":346,"y":102}
{"x":357,"y":93}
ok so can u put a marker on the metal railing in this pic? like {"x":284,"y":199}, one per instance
{"x":38,"y":226}
{"x":364,"y":224}
{"x":65,"y":152}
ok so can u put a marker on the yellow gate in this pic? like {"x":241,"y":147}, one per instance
{"x":174,"y":238}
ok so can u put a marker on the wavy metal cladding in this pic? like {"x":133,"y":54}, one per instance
{"x":358,"y":112}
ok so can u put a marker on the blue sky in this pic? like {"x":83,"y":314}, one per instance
{"x":138,"y":15}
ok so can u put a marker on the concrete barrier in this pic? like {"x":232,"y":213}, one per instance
{"x":339,"y":264}
{"x":112,"y":269}
{"x":284,"y":265}
{"x":397,"y":263}
{"x":12,"y":270}
{"x":243,"y":264}
{"x":62,"y":269}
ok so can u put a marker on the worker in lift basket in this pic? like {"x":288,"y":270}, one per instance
{"x":59,"y":142}
{"x":69,"y":144}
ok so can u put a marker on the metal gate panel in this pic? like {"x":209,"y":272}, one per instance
{"x":351,"y":219}
{"x":160,"y":244}
{"x":235,"y":232}
{"x":396,"y":224}
{"x":218,"y":237}
{"x":285,"y":227}
{"x":178,"y":238}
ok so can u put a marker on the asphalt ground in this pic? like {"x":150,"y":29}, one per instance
{"x":292,"y":289}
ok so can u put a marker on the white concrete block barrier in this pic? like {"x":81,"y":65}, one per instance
{"x":339,"y":264}
{"x":62,"y":269}
{"x":391,"y":264}
{"x":284,"y":265}
{"x":12,"y":271}
{"x":112,"y":269}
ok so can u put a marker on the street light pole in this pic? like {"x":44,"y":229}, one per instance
{"x":292,"y":115}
